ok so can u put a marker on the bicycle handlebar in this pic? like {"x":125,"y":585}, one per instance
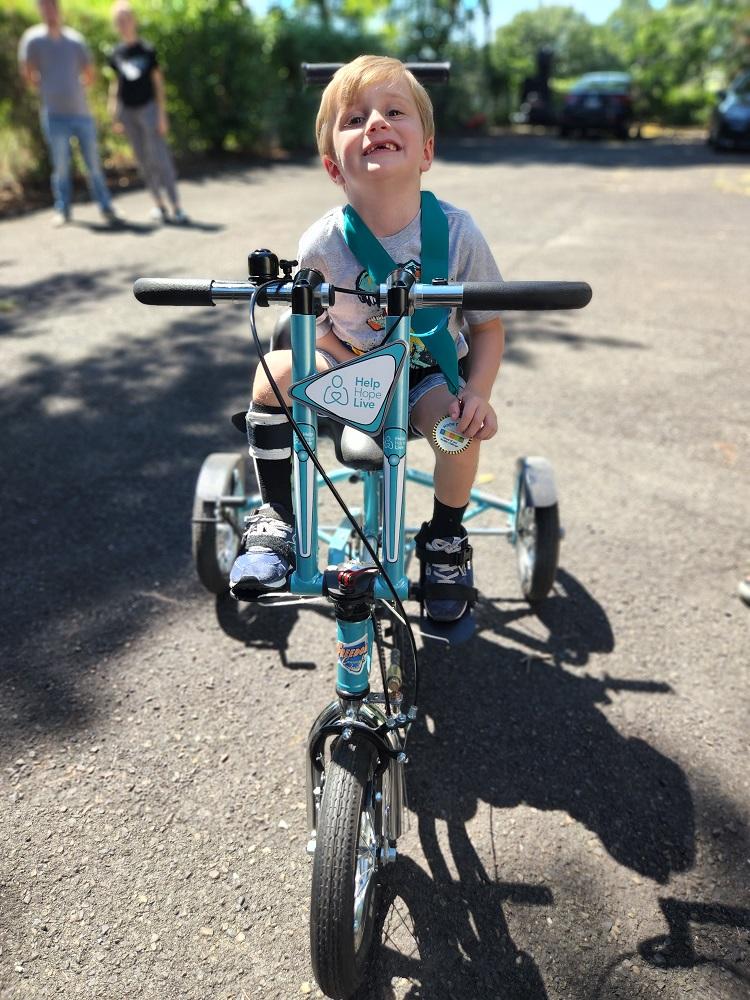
{"x":526,"y":295}
{"x":502,"y":295}
{"x":174,"y":291}
{"x":321,"y":73}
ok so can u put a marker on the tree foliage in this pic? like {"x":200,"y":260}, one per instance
{"x":234,"y":83}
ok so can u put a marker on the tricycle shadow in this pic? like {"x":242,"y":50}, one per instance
{"x":507,"y":725}
{"x":258,"y":626}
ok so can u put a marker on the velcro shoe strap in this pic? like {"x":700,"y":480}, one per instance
{"x":281,"y":546}
{"x":450,"y":592}
{"x":269,"y":435}
{"x":444,"y":558}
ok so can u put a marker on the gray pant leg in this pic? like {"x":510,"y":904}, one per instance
{"x":132,"y":122}
{"x":158,"y":151}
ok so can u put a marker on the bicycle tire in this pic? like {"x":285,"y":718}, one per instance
{"x":339,"y":949}
{"x":537,"y":547}
{"x":214,"y":550}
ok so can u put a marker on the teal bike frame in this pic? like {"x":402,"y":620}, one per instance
{"x":384,"y":494}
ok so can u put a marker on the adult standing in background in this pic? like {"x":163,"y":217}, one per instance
{"x":56,"y":60}
{"x":137,"y":104}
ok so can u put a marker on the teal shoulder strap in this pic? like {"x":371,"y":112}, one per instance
{"x":430,"y":325}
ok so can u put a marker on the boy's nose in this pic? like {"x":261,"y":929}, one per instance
{"x":376,"y":121}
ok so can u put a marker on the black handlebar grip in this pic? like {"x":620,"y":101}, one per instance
{"x":321,"y":73}
{"x":174,"y":291}
{"x":526,"y":295}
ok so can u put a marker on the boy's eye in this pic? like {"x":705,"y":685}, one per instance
{"x":355,"y":119}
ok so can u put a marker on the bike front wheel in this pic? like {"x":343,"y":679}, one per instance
{"x":345,"y":870}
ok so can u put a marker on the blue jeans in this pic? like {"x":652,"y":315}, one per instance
{"x":58,"y":131}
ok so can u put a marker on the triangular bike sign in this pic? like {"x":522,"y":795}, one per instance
{"x":358,"y":392}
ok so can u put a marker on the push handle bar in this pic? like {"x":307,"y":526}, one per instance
{"x":321,"y":73}
{"x":524,"y":296}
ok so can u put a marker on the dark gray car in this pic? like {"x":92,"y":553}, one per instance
{"x":730,"y":120}
{"x":601,"y":102}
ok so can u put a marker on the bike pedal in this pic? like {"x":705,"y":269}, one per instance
{"x":449,"y":633}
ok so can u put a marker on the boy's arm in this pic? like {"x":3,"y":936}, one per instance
{"x":478,"y":419}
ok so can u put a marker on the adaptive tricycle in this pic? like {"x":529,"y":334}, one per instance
{"x":356,"y":750}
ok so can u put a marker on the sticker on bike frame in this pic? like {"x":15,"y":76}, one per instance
{"x":352,"y":656}
{"x":358,"y":392}
{"x":447,"y":438}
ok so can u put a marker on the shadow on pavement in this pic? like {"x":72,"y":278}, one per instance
{"x":527,"y":330}
{"x":701,"y":935}
{"x":65,"y":291}
{"x":122,"y":225}
{"x":100,"y":459}
{"x":259,"y":626}
{"x":450,"y":938}
{"x":508,"y":726}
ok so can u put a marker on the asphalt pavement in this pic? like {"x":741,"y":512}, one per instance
{"x":578,"y":780}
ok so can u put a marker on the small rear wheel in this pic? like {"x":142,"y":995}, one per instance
{"x":216,"y":531}
{"x":345,"y":870}
{"x":537,"y":545}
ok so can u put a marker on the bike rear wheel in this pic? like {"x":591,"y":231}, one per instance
{"x":345,"y":870}
{"x":216,"y":533}
{"x":537,"y":546}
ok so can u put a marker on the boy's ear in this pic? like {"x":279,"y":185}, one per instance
{"x":333,"y":170}
{"x":428,"y":155}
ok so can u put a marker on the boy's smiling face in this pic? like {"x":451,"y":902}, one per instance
{"x":379,"y":138}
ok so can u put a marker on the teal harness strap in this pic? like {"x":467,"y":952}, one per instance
{"x":430,"y":325}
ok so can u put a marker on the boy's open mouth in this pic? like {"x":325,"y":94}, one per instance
{"x":376,"y":146}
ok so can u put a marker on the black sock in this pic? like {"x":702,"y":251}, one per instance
{"x":446,"y":521}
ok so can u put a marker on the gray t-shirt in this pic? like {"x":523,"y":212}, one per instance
{"x":362,"y":326}
{"x":59,"y":62}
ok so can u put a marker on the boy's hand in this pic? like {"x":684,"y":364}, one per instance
{"x":474,"y":415}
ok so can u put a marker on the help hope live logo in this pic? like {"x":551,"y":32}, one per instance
{"x":356,"y":392}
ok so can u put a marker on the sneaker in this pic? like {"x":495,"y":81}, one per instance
{"x":448,"y":562}
{"x":111,"y":216}
{"x":158,"y":214}
{"x":268,"y":553}
{"x":60,"y":219}
{"x":179,"y":218}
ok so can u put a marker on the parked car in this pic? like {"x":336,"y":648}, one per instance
{"x":601,"y":102}
{"x":729,"y":127}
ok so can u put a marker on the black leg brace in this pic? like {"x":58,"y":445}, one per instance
{"x":269,"y":438}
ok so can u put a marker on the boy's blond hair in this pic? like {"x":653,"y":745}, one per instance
{"x":350,"y":80}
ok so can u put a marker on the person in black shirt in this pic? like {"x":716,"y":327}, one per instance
{"x":136,"y":101}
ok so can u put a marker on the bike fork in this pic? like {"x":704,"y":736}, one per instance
{"x":333,"y":720}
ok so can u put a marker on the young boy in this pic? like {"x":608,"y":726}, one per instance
{"x":376,"y":138}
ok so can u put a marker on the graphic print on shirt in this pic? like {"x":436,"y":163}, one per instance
{"x":419,"y":356}
{"x":134,"y":67}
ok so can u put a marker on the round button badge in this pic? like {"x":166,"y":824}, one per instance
{"x":447,"y":438}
